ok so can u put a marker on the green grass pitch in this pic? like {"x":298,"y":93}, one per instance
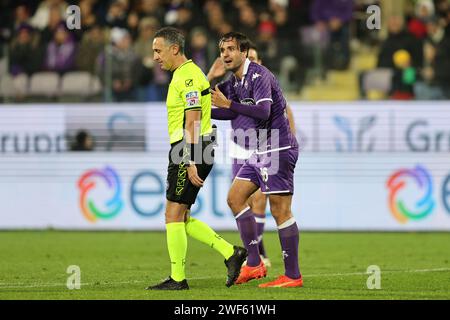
{"x":119,"y":265}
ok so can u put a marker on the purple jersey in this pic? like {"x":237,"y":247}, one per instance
{"x":241,"y":121}
{"x":259,"y":84}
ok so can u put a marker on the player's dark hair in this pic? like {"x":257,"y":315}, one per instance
{"x":242,"y":40}
{"x":253,"y":46}
{"x":172,"y":36}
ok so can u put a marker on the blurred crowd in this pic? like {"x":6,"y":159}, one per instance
{"x":114,"y":42}
{"x":417,"y":50}
{"x":115,"y":38}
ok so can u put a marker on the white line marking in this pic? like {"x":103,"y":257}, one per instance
{"x":37,"y":285}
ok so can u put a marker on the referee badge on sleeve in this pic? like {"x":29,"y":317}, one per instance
{"x":192,"y":99}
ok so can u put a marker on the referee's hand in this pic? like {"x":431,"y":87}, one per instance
{"x":193,"y":176}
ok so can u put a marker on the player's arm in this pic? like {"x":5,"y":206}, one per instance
{"x":220,"y":113}
{"x":217,"y":70}
{"x":290,"y":116}
{"x":259,"y":111}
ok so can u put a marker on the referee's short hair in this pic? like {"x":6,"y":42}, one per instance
{"x":172,"y":36}
{"x":242,"y":40}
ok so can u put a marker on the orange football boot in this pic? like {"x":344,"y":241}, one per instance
{"x":283,"y":282}
{"x":250,"y":273}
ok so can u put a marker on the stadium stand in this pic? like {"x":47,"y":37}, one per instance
{"x":314,"y":56}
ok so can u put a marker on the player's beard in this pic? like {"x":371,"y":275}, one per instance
{"x":235,"y":68}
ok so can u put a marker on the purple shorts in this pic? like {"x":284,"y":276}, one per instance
{"x":236,"y":166}
{"x":273,"y":172}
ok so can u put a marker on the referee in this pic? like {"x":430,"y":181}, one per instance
{"x":191,"y":159}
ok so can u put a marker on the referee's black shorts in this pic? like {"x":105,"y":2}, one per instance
{"x":179,"y":187}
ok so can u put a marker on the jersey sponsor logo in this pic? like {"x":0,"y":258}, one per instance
{"x":248,"y":101}
{"x":189,"y":82}
{"x":255,"y":76}
{"x":192,"y":99}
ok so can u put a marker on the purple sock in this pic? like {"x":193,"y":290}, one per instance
{"x":247,"y":228}
{"x":260,"y":221}
{"x":289,"y":238}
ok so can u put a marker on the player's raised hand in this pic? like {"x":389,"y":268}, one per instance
{"x":218,"y":99}
{"x":193,"y":176}
{"x":217,"y":70}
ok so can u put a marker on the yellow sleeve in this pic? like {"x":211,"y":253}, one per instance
{"x":191,"y":93}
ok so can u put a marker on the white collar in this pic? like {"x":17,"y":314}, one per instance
{"x":244,"y":72}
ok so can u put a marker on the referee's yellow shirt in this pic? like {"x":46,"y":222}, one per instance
{"x":188,"y":90}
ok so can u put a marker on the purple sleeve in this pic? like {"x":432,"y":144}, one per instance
{"x":222,"y":114}
{"x":261,"y":111}
{"x":224,"y":87}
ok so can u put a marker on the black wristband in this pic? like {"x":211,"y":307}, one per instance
{"x":192,"y":147}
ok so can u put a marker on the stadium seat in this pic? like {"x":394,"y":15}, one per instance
{"x":13,"y":86}
{"x":77,"y":83}
{"x":44,"y":84}
{"x":96,"y":85}
{"x":379,"y":80}
{"x":20,"y":85}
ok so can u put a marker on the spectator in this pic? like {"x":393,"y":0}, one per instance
{"x":143,"y":45}
{"x":398,"y":39}
{"x":83,"y":141}
{"x":282,"y":21}
{"x":151,"y":8}
{"x":90,"y":47}
{"x":185,"y":19}
{"x":88,"y":18}
{"x":133,"y":24}
{"x":299,"y":13}
{"x":268,"y":45}
{"x":122,"y":65}
{"x":55,"y":19}
{"x":424,"y":11}
{"x":152,"y":80}
{"x":61,"y":51}
{"x":202,"y":51}
{"x":42,"y":15}
{"x":442,"y":9}
{"x":236,"y":7}
{"x":117,"y":15}
{"x":334,"y":16}
{"x":287,"y":34}
{"x":21,"y":16}
{"x":248,"y":22}
{"x":215,"y":17}
{"x":25,"y":54}
{"x":435,"y":84}
{"x":404,"y":76}
{"x":276,"y":53}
